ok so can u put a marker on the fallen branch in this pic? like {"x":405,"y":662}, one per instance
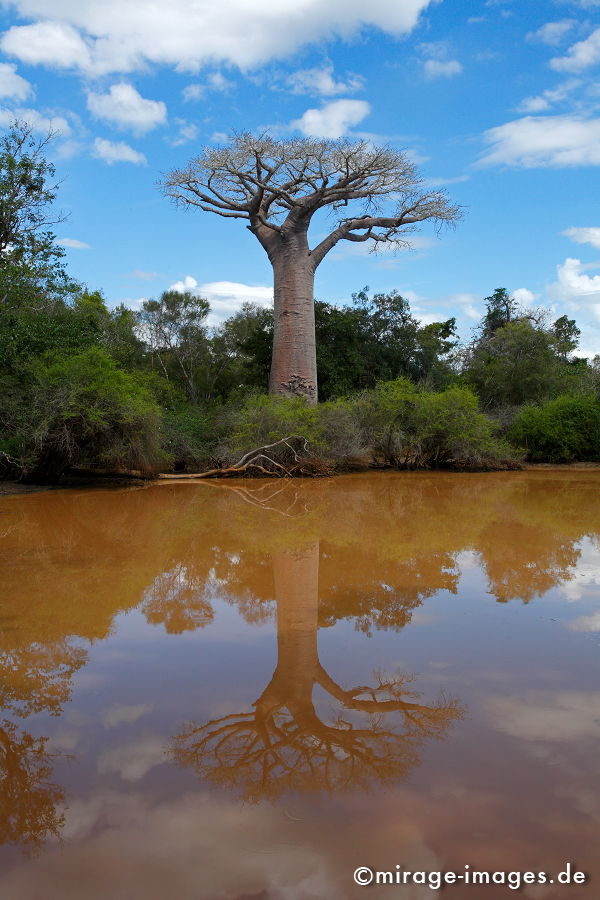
{"x":258,"y":460}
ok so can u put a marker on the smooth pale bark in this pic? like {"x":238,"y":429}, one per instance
{"x":294,"y":361}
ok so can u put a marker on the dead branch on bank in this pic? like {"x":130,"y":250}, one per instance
{"x":281,"y":459}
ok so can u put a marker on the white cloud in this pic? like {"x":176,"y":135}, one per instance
{"x":216,"y":81}
{"x":37,"y":121}
{"x":193,"y":92}
{"x":124,"y":107}
{"x":332,"y":120}
{"x":55,"y":44}
{"x":580,"y":56}
{"x":186,"y":132}
{"x":73,"y":244}
{"x":534,"y":141}
{"x":551,"y":33}
{"x":117,"y":151}
{"x":225,"y":297}
{"x":103,"y":36}
{"x":584,"y":236}
{"x":437,"y":62}
{"x":523,"y":296}
{"x":544,"y":101}
{"x":442,"y":68}
{"x":13,"y":85}
{"x":574,"y":284}
{"x":440,"y":182}
{"x":320,"y":80}
{"x":541,"y":716}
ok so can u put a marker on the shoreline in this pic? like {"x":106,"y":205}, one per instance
{"x":16,"y":488}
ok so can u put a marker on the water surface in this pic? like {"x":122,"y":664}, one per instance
{"x":245,"y":690}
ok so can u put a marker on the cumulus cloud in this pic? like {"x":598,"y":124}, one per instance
{"x":333,"y":120}
{"x":117,"y":151}
{"x":584,"y":236}
{"x":557,"y":141}
{"x":574,"y":284}
{"x":321,"y":80}
{"x":37,"y":121}
{"x":551,"y":33}
{"x":580,"y":56}
{"x":103,"y":36}
{"x":125,"y":107}
{"x":73,"y":244}
{"x":225,"y":297}
{"x":56,"y":44}
{"x":13,"y":85}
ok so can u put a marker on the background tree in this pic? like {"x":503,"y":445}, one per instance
{"x":277,"y":187}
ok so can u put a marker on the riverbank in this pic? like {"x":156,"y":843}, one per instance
{"x":8,"y":488}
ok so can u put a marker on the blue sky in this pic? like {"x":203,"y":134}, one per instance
{"x":497,"y":101}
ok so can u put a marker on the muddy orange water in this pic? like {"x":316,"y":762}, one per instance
{"x":247,"y":690}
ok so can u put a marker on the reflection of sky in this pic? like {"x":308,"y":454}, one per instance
{"x":586,"y":575}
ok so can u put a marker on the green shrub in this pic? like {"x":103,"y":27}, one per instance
{"x":566,"y":429}
{"x":261,"y":419}
{"x":86,"y":410}
{"x":187,"y":437}
{"x":408,"y":428}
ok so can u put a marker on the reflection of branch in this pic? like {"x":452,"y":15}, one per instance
{"x":252,"y":496}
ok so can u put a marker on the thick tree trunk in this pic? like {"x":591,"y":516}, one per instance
{"x":294,"y":362}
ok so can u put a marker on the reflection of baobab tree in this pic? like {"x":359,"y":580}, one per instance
{"x":285,"y":742}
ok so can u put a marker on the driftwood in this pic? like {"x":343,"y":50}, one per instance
{"x":261,"y":460}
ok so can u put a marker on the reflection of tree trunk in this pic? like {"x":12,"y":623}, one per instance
{"x":296,"y":576}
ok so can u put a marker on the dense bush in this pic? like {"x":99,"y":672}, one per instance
{"x":566,"y":429}
{"x":395,"y":424}
{"x":86,"y":410}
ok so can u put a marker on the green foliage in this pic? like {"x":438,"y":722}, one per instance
{"x":174,"y":330}
{"x":30,"y":261}
{"x":263,"y":419}
{"x":410,"y":428}
{"x":517,"y":364}
{"x":188,"y":436}
{"x":566,"y":429}
{"x":87,"y":410}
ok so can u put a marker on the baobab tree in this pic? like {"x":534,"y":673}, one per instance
{"x":373,"y":193}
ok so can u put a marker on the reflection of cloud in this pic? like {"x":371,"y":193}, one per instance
{"x":134,"y":760}
{"x":200,"y":846}
{"x":118,"y":713}
{"x":586,"y":623}
{"x":546,"y":716}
